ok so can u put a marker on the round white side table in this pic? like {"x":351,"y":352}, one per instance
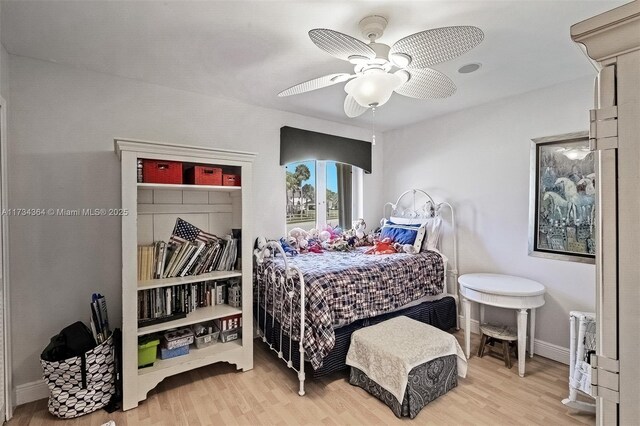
{"x":503,"y":291}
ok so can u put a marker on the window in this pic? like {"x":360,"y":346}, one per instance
{"x":301,"y":195}
{"x":320,"y":193}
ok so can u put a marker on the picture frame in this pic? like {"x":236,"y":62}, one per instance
{"x":562,"y":199}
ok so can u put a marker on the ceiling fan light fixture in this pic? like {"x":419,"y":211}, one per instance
{"x":374,"y":88}
{"x":404,"y":75}
{"x":400,"y":60}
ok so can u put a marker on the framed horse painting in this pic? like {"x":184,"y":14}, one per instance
{"x":562,"y":198}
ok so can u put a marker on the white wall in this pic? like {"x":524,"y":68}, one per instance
{"x":478,"y":159}
{"x":62,"y":125}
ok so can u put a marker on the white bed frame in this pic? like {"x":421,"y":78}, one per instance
{"x":419,"y":211}
{"x":281,"y":282}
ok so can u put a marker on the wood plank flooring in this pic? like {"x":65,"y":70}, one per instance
{"x":219,"y":395}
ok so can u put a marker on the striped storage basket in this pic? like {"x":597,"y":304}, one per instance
{"x":82,"y":384}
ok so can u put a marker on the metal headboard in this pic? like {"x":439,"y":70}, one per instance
{"x":425,"y":209}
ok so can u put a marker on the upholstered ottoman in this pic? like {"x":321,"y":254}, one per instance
{"x":405,"y":363}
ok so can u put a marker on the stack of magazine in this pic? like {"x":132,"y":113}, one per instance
{"x":164,"y":260}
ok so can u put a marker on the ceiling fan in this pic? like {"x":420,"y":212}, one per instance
{"x":379,"y":69}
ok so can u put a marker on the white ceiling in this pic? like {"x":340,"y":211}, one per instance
{"x":251,"y":50}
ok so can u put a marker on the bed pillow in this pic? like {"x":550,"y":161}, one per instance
{"x":412,"y":234}
{"x":433,"y":227}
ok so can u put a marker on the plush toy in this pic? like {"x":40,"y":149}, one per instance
{"x":325,"y":236}
{"x":314,"y":234}
{"x":300,"y":237}
{"x":339,"y":245}
{"x":288,"y":250}
{"x":314,"y":247}
{"x":260,"y":244}
{"x":405,"y":248}
{"x":359,"y":227}
{"x":329,"y":233}
{"x":382,"y":247}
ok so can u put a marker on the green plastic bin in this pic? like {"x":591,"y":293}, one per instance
{"x":147,"y":351}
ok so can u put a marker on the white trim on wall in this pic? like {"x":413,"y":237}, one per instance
{"x":540,"y":347}
{"x":32,"y":391}
{"x":6,"y":322}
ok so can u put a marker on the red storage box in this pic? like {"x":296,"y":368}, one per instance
{"x":231,"y":180}
{"x":203,"y":175}
{"x":160,"y":171}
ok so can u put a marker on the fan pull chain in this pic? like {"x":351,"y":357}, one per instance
{"x":373,"y":125}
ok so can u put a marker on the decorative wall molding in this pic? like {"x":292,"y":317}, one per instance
{"x":551,"y":351}
{"x":611,"y":33}
{"x":32,"y":391}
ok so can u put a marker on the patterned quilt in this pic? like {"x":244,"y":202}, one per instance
{"x":342,"y":287}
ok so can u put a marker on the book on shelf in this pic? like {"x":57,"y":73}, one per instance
{"x":160,"y":260}
{"x":189,"y":251}
{"x":178,"y":299}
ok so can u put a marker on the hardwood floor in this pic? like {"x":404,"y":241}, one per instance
{"x":216,"y":395}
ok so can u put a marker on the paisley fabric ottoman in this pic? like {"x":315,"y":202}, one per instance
{"x":405,"y":363}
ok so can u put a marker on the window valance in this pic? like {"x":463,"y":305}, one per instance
{"x":299,"y":145}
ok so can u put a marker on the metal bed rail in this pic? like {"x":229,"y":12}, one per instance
{"x":278,"y":297}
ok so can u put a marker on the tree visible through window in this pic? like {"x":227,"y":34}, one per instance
{"x":301,"y":195}
{"x":318,"y":194}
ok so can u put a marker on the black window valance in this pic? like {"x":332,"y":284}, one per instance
{"x":300,"y":145}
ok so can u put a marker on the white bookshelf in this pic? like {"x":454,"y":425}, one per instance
{"x":153,"y":209}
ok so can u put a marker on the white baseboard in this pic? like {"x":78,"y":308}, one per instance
{"x":32,"y":391}
{"x":540,"y":347}
{"x":475,"y":325}
{"x":551,"y":351}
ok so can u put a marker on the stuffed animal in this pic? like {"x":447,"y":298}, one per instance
{"x":288,"y":250}
{"x":339,"y":245}
{"x":301,"y":237}
{"x":260,"y":244}
{"x":329,"y":233}
{"x":314,"y":234}
{"x":314,"y":247}
{"x":359,"y":227}
{"x":405,"y":248}
{"x":382,"y":247}
{"x":325,"y":236}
